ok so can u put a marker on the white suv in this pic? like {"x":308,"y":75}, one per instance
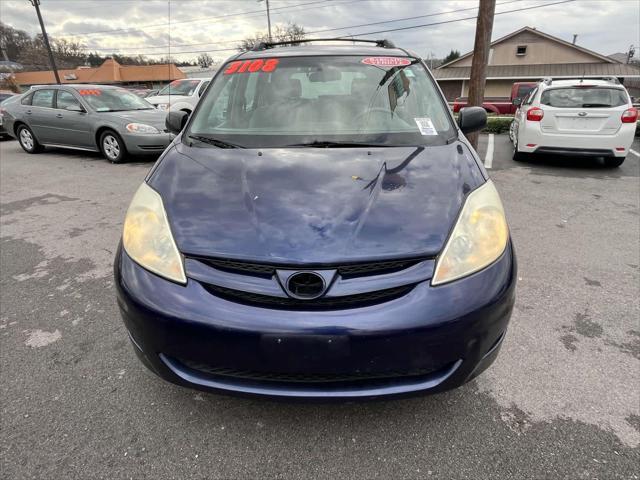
{"x":576,"y":117}
{"x":180,"y":94}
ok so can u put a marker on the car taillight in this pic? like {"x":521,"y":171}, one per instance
{"x":535,"y":114}
{"x":630,"y":116}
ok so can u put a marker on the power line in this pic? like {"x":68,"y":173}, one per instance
{"x":385,"y":31}
{"x":311,"y":32}
{"x":140,"y":29}
{"x":461,"y":19}
{"x":407,"y":18}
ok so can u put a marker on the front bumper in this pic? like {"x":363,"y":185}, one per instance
{"x":429,"y":340}
{"x":146,"y":144}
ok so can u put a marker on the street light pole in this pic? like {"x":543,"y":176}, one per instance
{"x":36,"y":3}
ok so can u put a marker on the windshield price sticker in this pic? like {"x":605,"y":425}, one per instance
{"x":425,"y":125}
{"x":386,"y":61}
{"x":252,"y":66}
{"x":90,"y":92}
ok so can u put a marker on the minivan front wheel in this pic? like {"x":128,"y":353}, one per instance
{"x":28,"y":140}
{"x":112,"y":146}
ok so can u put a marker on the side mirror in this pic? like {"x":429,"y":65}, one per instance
{"x":75,"y":108}
{"x":517,"y":101}
{"x":472,"y":119}
{"x":175,"y":121}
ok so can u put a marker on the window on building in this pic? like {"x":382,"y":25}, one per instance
{"x":521,"y":50}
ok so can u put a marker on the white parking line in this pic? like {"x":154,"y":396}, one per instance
{"x":634,"y":152}
{"x":488,"y":158}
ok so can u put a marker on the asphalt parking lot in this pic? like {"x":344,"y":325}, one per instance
{"x":561,"y":401}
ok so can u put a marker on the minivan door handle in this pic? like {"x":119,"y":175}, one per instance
{"x":28,"y":112}
{"x":59,"y":115}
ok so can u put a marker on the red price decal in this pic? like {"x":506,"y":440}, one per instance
{"x":252,"y":66}
{"x":90,"y":92}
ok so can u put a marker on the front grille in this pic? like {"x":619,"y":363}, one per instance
{"x":307,"y":377}
{"x":324,"y":303}
{"x":352,"y":270}
{"x":232,"y":266}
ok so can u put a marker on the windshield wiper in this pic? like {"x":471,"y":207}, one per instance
{"x":318,"y":144}
{"x":215,"y":142}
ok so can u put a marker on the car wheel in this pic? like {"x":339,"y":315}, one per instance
{"x":518,"y":156}
{"x":512,"y":127}
{"x":613,"y":162}
{"x":112,"y":147}
{"x":28,"y":140}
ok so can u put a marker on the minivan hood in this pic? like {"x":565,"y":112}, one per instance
{"x":314,"y":205}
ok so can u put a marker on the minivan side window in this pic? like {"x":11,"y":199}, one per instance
{"x":42,"y":98}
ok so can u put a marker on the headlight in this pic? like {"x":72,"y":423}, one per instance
{"x":147,"y":237}
{"x":141,"y":128}
{"x":478,"y":238}
{"x":162,"y":106}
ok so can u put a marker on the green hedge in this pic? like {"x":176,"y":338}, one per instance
{"x":498,"y":124}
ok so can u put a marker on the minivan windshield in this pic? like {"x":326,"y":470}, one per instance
{"x":113,"y":99}
{"x":322,"y":101}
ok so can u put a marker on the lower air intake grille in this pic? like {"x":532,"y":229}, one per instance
{"x":324,"y":303}
{"x":306,"y":377}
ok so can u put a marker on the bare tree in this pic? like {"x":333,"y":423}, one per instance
{"x":291,"y":33}
{"x":205,"y":60}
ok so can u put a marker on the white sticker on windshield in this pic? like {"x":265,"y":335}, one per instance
{"x":425,"y":125}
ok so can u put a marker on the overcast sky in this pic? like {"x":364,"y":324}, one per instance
{"x":136,"y":26}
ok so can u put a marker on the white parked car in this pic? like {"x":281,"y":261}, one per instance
{"x":180,"y":94}
{"x":583,"y":117}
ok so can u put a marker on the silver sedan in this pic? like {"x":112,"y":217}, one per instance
{"x":100,"y":118}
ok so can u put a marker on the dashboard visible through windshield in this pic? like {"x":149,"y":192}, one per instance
{"x":323,"y":101}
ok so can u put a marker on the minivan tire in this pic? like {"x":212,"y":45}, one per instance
{"x":28,"y":140}
{"x":112,"y":146}
{"x":613,"y":162}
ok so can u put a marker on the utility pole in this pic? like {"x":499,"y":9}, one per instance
{"x":268,"y":19}
{"x":36,"y":3}
{"x":484,"y":27}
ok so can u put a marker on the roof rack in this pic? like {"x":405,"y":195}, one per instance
{"x":384,"y":43}
{"x":548,"y":80}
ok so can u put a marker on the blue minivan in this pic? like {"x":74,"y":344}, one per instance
{"x":319,"y":228}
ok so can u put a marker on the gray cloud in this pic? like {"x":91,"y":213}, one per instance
{"x":602,"y":25}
